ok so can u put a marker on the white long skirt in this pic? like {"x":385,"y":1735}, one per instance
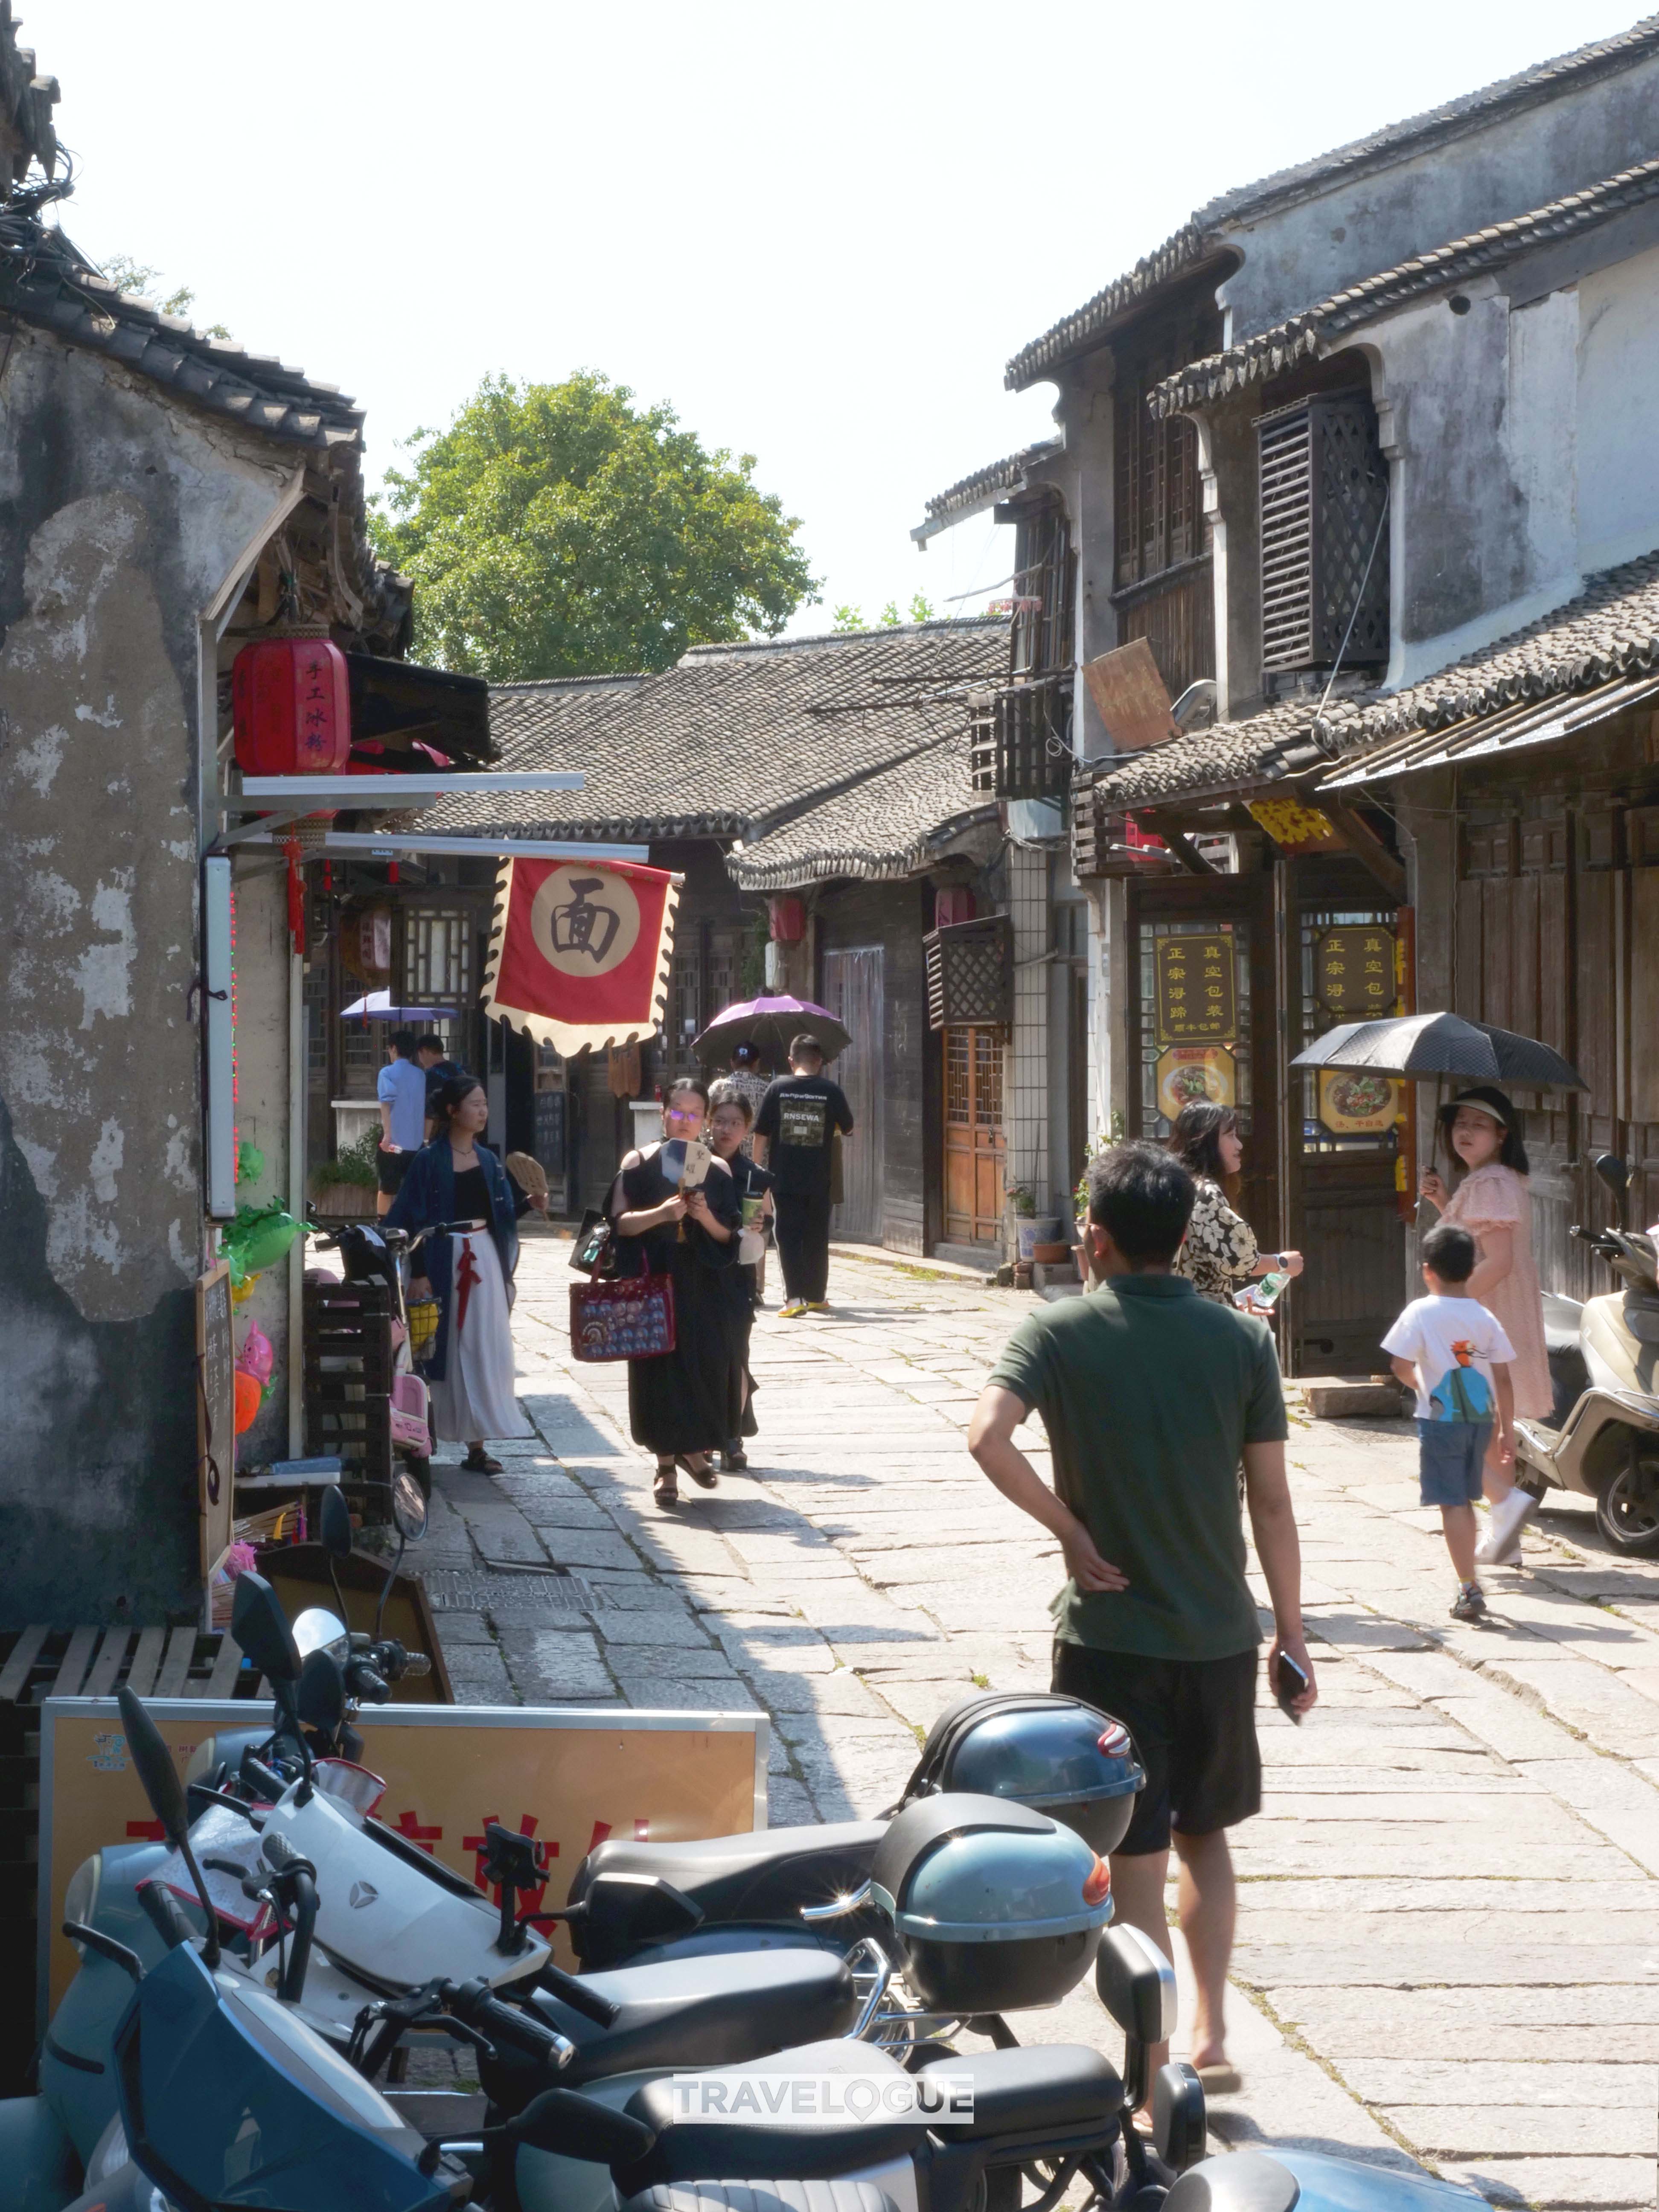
{"x":476,"y":1398}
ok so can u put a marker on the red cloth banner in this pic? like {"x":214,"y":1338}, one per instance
{"x":581,"y":953}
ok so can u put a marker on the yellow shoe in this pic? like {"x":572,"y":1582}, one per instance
{"x":817,"y":1305}
{"x":793,"y":1310}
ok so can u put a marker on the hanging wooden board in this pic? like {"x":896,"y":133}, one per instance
{"x":1130,"y":697}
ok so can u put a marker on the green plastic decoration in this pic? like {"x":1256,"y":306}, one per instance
{"x":250,"y":1163}
{"x":257,"y":1237}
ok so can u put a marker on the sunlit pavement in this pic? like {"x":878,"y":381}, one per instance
{"x":1449,"y":1944}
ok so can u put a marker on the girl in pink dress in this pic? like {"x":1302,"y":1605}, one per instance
{"x":1494,"y":1202}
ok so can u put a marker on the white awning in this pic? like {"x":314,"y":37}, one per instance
{"x":414,"y":844}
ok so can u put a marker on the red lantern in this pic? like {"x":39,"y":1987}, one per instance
{"x":787,"y":918}
{"x":291,"y":701}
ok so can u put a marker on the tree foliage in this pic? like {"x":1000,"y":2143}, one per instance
{"x":849,"y":617}
{"x":557,"y":530}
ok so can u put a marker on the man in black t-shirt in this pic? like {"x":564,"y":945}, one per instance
{"x":795,"y":1133}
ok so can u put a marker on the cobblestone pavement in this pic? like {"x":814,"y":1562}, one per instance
{"x":1448,"y":1945}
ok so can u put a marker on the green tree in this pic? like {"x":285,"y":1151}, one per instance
{"x":557,"y":530}
{"x":849,"y":617}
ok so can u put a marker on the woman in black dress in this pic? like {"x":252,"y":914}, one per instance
{"x":684,"y":1404}
{"x":731,"y":1118}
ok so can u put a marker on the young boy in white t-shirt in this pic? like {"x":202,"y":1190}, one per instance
{"x":1456,"y":1358}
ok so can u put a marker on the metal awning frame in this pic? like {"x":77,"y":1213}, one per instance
{"x":413,"y":845}
{"x":278,"y":801}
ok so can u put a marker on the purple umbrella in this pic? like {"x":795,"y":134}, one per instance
{"x":770,"y":1024}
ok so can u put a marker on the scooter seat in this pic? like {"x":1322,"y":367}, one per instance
{"x":816,"y":2145}
{"x":769,"y":1875}
{"x":827,"y":2196}
{"x":1049,"y":2089}
{"x":715,"y":2011}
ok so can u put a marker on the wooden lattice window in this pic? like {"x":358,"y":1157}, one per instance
{"x":438,"y":956}
{"x":1160,"y":500}
{"x":1324,"y":534}
{"x":970,"y":973}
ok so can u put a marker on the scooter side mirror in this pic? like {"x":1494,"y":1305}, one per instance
{"x":334,"y":1523}
{"x":408,"y":1507}
{"x":318,"y":1630}
{"x":156,"y":1769}
{"x":322,"y":1700}
{"x":260,"y":1628}
{"x":1137,"y":1985}
{"x":1615,"y":1173}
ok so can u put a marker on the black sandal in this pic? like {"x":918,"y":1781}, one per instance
{"x":478,"y":1462}
{"x":664,"y":1488}
{"x":704,"y":1476}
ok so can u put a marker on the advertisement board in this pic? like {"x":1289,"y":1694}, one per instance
{"x":568,"y":1777}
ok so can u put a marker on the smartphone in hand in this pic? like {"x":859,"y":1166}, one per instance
{"x":1289,"y":1684}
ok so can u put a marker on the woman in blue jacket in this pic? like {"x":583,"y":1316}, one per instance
{"x":455,"y":1178}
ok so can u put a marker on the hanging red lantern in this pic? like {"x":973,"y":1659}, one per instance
{"x":291,"y":707}
{"x":786,"y":918}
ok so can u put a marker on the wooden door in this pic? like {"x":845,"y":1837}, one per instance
{"x":1188,"y":938}
{"x":854,"y":991}
{"x":974,"y":1140}
{"x":1342,"y":1127}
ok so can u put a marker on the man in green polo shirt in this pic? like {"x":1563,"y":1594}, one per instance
{"x":1152,"y":1395}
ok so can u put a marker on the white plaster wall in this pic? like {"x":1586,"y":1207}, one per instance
{"x":1617,"y":412}
{"x":135,"y":510}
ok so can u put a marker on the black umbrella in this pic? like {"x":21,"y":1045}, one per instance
{"x":770,"y":1023}
{"x":1443,"y":1044}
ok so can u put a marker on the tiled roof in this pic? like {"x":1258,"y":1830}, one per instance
{"x":1201,"y":236}
{"x":985,"y":485}
{"x":1213,"y":377}
{"x":1450,"y":119}
{"x":734,"y":740}
{"x":884,"y":828}
{"x":1609,"y":631}
{"x":45,"y":280}
{"x":1276,"y":742}
{"x":1177,"y":257}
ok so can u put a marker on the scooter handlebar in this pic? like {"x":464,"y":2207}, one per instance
{"x":504,"y":2023}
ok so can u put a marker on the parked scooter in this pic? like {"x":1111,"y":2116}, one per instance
{"x":1606,"y":1444}
{"x":808,"y":1886}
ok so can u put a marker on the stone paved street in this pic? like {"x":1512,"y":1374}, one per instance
{"x":1449,"y":1941}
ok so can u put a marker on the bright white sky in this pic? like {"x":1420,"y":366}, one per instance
{"x":817,"y":232}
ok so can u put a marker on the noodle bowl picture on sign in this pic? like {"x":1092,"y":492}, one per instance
{"x":1194,"y":1075}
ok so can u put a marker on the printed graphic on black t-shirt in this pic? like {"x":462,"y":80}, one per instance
{"x":801,"y":1121}
{"x":799,"y":1115}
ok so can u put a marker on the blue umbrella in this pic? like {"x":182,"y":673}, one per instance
{"x":376,"y":1006}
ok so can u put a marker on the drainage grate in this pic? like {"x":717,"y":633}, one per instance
{"x":508,"y":1597}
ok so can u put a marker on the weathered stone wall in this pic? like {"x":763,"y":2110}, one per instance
{"x":120,"y":515}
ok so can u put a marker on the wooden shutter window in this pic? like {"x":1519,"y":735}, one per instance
{"x":1324,"y":486}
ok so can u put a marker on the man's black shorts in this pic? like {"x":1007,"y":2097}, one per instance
{"x":390,"y":1169}
{"x":1193,"y":1725}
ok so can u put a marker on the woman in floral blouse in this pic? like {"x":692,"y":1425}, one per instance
{"x":1220,"y":1254}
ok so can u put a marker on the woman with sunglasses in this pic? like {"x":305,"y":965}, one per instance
{"x":684,"y":1404}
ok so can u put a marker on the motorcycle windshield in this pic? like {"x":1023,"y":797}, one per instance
{"x":230,"y":2100}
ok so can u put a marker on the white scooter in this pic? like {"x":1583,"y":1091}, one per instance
{"x":1605,"y":1443}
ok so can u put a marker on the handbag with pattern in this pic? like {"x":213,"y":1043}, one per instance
{"x":630,"y":1318}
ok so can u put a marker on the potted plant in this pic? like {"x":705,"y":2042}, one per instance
{"x":346,"y":1185}
{"x":1030,"y":1228}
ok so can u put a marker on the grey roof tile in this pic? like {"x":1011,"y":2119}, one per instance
{"x":1199,"y":238}
{"x":1265,"y":354}
{"x":1610,"y":629}
{"x":737,"y":740}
